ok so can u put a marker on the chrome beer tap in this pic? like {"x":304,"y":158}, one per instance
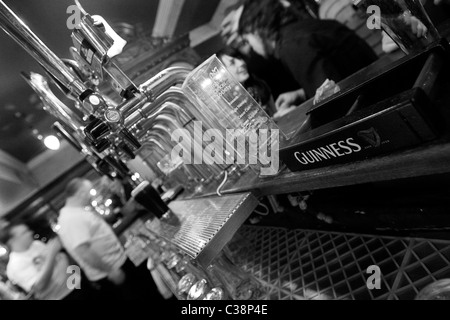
{"x":95,"y":44}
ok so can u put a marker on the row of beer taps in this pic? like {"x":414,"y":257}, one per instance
{"x":107,"y":133}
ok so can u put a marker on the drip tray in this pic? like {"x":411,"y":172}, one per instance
{"x":207,"y":224}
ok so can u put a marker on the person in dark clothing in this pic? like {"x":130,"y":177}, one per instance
{"x":258,"y":89}
{"x":311,"y":50}
{"x":302,"y":8}
{"x":269,"y":69}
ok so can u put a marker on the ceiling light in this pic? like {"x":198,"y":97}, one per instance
{"x":52,"y":142}
{"x":3,"y":251}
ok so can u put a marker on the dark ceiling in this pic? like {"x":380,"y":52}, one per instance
{"x":20,"y":109}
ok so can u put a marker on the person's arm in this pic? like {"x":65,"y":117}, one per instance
{"x":45,"y":275}
{"x":417,"y":26}
{"x":291,"y":98}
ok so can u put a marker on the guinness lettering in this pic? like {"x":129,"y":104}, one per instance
{"x":334,"y":150}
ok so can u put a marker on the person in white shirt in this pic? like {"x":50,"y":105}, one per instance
{"x":88,"y":238}
{"x":95,"y":247}
{"x":39,"y":269}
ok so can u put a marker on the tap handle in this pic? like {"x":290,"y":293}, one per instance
{"x":97,"y":129}
{"x":101,"y":145}
{"x":93,"y":122}
{"x":130,"y":92}
{"x":129,"y":137}
{"x":104,"y":168}
{"x":126,"y":149}
{"x":120,"y":167}
{"x":118,"y":43}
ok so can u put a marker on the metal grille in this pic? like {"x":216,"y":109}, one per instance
{"x":302,"y":264}
{"x":207,"y":224}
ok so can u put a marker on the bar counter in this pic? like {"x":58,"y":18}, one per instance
{"x":427,"y":159}
{"x":424,"y":160}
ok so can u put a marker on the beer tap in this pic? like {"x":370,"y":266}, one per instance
{"x":105,"y":125}
{"x":95,"y":44}
{"x":69,"y":128}
{"x":91,"y":103}
{"x":92,"y":158}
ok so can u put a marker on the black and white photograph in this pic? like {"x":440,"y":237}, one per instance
{"x":243,"y":151}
